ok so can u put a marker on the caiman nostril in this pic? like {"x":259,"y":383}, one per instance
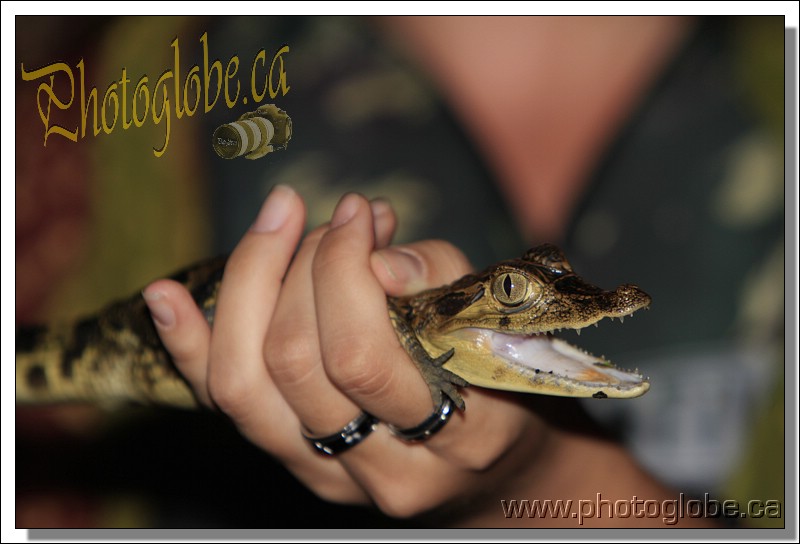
{"x":630,"y":298}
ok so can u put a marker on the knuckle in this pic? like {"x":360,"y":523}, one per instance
{"x":357,"y":369}
{"x":475,"y":459}
{"x":334,"y":492}
{"x":401,"y":500}
{"x":289,"y":356}
{"x":230,"y":392}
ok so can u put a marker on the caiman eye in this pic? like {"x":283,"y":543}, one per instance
{"x":511,"y":288}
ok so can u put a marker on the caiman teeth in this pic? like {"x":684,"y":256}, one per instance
{"x":610,"y":317}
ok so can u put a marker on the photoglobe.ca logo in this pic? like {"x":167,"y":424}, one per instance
{"x":154,"y":100}
{"x":670,"y":511}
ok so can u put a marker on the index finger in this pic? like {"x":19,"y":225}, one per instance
{"x":237,"y":376}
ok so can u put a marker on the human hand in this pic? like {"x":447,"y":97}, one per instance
{"x":304,"y":345}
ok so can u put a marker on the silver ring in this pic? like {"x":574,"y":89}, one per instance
{"x":351,"y":435}
{"x":432,"y":425}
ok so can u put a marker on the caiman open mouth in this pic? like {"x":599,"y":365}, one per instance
{"x":543,"y":363}
{"x":545,"y":353}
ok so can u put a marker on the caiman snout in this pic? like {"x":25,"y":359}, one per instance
{"x":628,"y":298}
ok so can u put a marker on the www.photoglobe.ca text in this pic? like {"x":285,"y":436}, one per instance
{"x":670,"y":511}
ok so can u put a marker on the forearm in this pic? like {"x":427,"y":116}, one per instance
{"x":579,"y":480}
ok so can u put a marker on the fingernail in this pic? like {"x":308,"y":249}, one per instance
{"x":383,"y":220}
{"x":381,"y":207}
{"x":345,"y":210}
{"x":403,"y":265}
{"x":275,"y":210}
{"x":161,"y":312}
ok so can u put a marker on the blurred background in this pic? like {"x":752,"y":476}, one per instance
{"x":651,"y":149}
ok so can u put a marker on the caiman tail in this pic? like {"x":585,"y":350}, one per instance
{"x":111,"y":357}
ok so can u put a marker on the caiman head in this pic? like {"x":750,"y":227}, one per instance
{"x":501,"y":324}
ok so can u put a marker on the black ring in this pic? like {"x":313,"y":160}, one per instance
{"x":432,"y":425}
{"x":350,"y":435}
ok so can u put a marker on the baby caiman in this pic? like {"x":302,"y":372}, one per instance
{"x":493,"y":329}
